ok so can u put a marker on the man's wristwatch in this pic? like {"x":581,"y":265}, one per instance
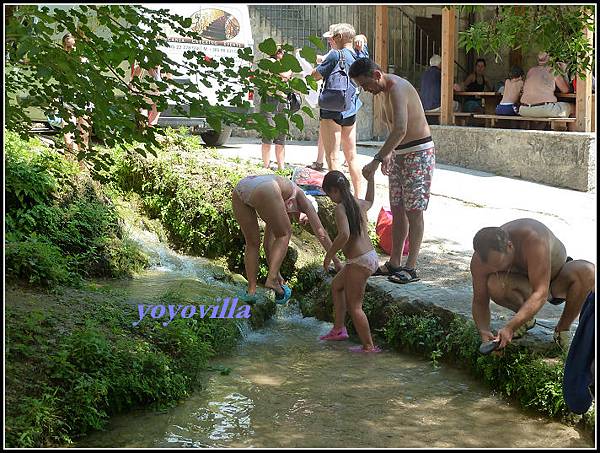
{"x":378,"y":158}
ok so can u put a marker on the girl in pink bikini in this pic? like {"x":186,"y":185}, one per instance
{"x":276,"y":200}
{"x":348,"y":286}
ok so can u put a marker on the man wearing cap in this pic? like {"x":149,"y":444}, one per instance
{"x":407,"y":157}
{"x":538,"y":99}
{"x":431,"y":86}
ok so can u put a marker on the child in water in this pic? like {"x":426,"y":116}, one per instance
{"x":348,"y":286}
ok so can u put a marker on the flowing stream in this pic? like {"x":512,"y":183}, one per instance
{"x":288,"y":389}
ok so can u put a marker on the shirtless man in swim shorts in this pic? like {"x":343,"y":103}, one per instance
{"x":407,"y":157}
{"x":521,"y":265}
{"x":276,"y":200}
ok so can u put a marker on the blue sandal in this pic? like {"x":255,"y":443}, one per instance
{"x":283,"y":299}
{"x":250,"y":299}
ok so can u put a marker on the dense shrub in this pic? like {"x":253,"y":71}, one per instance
{"x":102,"y":366}
{"x":37,"y":261}
{"x":192,"y":199}
{"x":59,"y":224}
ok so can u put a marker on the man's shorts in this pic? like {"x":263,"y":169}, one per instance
{"x":550,"y":110}
{"x":337,"y":117}
{"x":410,"y":179}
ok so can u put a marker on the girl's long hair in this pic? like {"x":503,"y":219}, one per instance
{"x":337,"y":179}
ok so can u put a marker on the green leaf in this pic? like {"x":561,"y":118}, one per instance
{"x":246,"y":54}
{"x":318,"y":42}
{"x":311,"y":82}
{"x":214,"y":122}
{"x":196,"y":109}
{"x":268,"y":46}
{"x":281,"y":123}
{"x":306,"y":109}
{"x":309,"y":54}
{"x":298,"y":121}
{"x":265,"y":65}
{"x":267,"y":107}
{"x":298,"y":84}
{"x":290,"y":62}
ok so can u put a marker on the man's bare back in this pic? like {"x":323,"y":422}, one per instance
{"x":417,"y":126}
{"x":540,"y":85}
{"x":530,"y":232}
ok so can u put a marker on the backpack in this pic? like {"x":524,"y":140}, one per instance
{"x":337,"y":92}
{"x":294,"y":101}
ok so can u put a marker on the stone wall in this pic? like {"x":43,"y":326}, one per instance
{"x":560,"y":159}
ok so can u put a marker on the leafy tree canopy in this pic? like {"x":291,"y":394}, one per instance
{"x":558,"y":30}
{"x":109,"y":39}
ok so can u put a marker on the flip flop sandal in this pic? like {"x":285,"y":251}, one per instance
{"x":331,"y":270}
{"x":404,"y":275}
{"x":335,"y":336}
{"x":489,"y":346}
{"x":391,"y":270}
{"x":563,"y":339}
{"x":316,"y":166}
{"x":283,"y":299}
{"x":250,"y":299}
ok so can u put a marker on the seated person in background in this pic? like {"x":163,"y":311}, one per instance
{"x":476,"y":82}
{"x":431,"y":86}
{"x":512,"y":92}
{"x":360,"y":46}
{"x":593,"y":84}
{"x":538,"y":99}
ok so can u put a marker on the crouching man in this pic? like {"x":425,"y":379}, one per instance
{"x":521,"y":265}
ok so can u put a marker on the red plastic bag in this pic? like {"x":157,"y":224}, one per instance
{"x":384,"y":232}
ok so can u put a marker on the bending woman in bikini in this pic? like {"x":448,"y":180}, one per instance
{"x":276,"y":200}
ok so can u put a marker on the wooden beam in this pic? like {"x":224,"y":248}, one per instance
{"x":448,"y":43}
{"x":583,"y":98}
{"x":381,"y":58}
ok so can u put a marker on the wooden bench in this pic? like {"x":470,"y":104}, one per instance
{"x":459,"y":116}
{"x":490,"y":120}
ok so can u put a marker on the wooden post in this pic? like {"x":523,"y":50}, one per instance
{"x":448,"y":42}
{"x":381,"y":58}
{"x":583,"y":98}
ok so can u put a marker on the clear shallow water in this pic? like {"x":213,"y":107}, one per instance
{"x":288,"y":389}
